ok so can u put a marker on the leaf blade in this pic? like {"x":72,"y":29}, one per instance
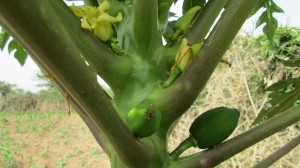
{"x":4,"y":36}
{"x":19,"y":53}
{"x":267,"y":17}
{"x":281,"y":99}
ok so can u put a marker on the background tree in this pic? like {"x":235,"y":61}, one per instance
{"x":5,"y":88}
{"x":44,"y":81}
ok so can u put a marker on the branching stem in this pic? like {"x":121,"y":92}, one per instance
{"x":205,"y":20}
{"x":184,"y":145}
{"x":59,"y":54}
{"x":145,"y":24}
{"x":222,"y":152}
{"x":183,"y":92}
{"x":279,"y":153}
{"x":112,"y":68}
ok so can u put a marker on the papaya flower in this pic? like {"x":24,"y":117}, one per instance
{"x":97,"y":20}
{"x":185,"y":55}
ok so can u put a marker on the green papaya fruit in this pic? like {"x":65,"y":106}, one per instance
{"x":143,"y":121}
{"x":209,"y":129}
{"x":213,"y":127}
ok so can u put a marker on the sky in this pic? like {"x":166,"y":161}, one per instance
{"x":25,"y":77}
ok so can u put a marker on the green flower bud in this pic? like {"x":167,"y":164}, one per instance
{"x":184,"y":21}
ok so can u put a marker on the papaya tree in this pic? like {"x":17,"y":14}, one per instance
{"x":156,"y":69}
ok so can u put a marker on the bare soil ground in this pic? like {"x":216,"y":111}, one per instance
{"x":57,"y":140}
{"x":52,"y":141}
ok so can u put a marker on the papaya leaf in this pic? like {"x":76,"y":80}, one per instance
{"x":260,"y":4}
{"x":19,"y":53}
{"x":4,"y":36}
{"x":285,"y":95}
{"x":188,"y":4}
{"x":267,"y":17}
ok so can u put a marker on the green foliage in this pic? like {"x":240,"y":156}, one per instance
{"x":4,"y":36}
{"x":286,"y":44}
{"x":13,"y":47}
{"x":267,"y":17}
{"x":7,"y":156}
{"x":18,"y":51}
{"x":285,"y":94}
{"x":284,"y":52}
{"x":281,"y":56}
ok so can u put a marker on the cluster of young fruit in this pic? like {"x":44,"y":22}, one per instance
{"x":208,"y":130}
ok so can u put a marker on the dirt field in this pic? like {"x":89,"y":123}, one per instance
{"x":53,"y":140}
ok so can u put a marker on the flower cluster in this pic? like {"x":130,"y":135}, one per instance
{"x":97,"y":20}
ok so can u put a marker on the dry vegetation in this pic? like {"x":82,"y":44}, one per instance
{"x":64,"y":141}
{"x":240,"y":87}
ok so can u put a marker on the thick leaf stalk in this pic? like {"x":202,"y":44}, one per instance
{"x":205,"y":20}
{"x":268,"y":161}
{"x":183,"y":92}
{"x":48,"y":44}
{"x":145,"y":26}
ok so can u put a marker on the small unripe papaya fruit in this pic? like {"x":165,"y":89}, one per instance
{"x":143,"y":121}
{"x":209,"y":129}
{"x":213,"y":127}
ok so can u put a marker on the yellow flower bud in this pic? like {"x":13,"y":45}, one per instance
{"x":103,"y":28}
{"x":97,"y":20}
{"x":184,"y":56}
{"x":103,"y":31}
